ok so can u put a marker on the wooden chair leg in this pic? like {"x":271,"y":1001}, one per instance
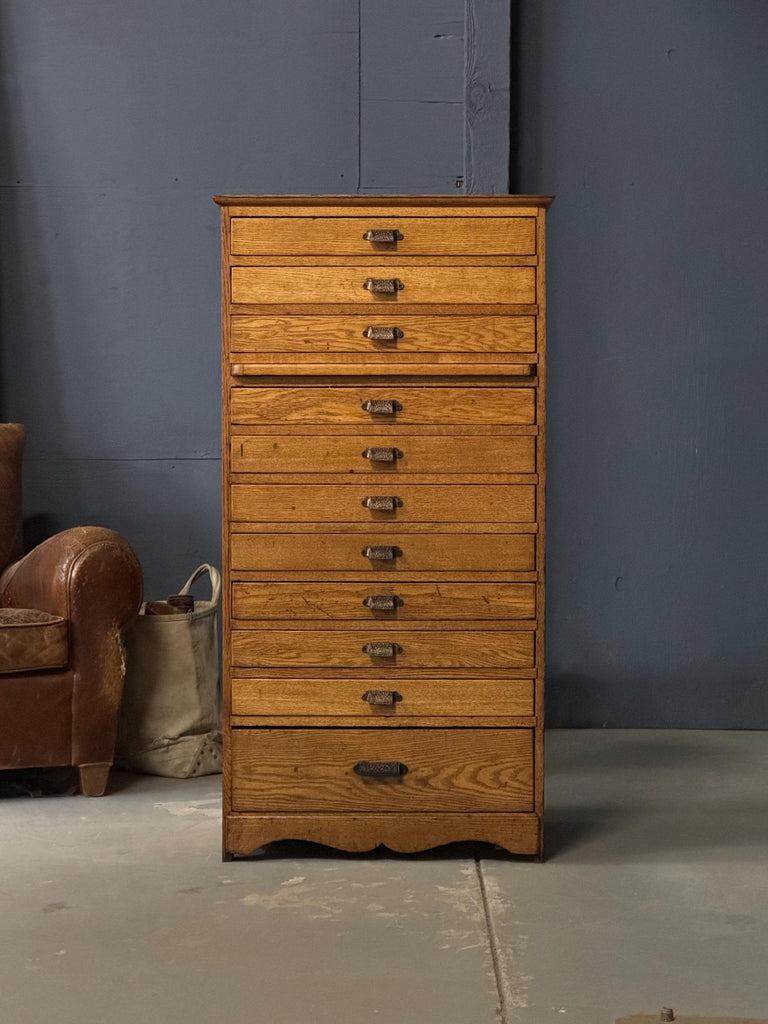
{"x":93,"y":778}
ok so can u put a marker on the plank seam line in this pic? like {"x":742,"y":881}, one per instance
{"x":499,"y":970}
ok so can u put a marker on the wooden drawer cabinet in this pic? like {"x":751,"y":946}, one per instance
{"x":383,"y":409}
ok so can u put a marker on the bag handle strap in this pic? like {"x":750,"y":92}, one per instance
{"x":214,"y":576}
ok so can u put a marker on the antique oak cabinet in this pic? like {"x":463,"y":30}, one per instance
{"x":383,"y":402}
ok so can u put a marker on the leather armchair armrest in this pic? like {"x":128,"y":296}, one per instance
{"x":92,"y":577}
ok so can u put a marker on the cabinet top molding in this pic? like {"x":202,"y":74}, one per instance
{"x":382,"y":200}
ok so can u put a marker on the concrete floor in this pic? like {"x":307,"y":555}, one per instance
{"x":654,"y":893}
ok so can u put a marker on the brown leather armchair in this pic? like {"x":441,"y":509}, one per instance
{"x":62,"y":609}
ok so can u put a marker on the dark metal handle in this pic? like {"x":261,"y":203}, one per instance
{"x":381,"y":406}
{"x":381,"y":649}
{"x":381,"y":552}
{"x":380,"y":769}
{"x":382,"y":602}
{"x":383,"y":285}
{"x":382,"y":454}
{"x":382,"y":235}
{"x":382,"y":333}
{"x":382,"y":502}
{"x":381,"y":697}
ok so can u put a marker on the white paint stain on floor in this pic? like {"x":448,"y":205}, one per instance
{"x":210,"y":808}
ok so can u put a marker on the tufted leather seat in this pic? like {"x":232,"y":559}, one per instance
{"x":62,"y":610}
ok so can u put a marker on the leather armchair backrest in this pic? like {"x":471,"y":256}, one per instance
{"x":11,"y":452}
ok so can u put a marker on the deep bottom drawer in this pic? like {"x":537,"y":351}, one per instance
{"x":297,"y":770}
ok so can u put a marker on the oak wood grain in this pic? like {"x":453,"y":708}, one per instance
{"x":307,"y":235}
{"x":346,"y":503}
{"x":415,"y":697}
{"x":448,"y":770}
{"x":345,"y":334}
{"x":325,"y":602}
{"x":404,"y":833}
{"x":301,"y":365}
{"x":435,"y":552}
{"x":336,"y":404}
{"x":421,"y":284}
{"x":305,"y":648}
{"x":334,"y":453}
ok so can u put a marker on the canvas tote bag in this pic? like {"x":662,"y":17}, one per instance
{"x":170,"y":718}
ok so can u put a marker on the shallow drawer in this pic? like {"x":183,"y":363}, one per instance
{"x":402,"y":503}
{"x":366,"y":552}
{"x":390,"y":649}
{"x":416,"y":284}
{"x":365,"y":334}
{"x":384,"y":404}
{"x":344,"y":236}
{"x":356,"y":453}
{"x":439,"y":769}
{"x":362,"y":698}
{"x":406,"y":602}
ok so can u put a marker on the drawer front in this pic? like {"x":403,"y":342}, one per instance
{"x":360,"y":698}
{"x":409,"y":602}
{"x":344,"y":236}
{"x":447,"y":769}
{"x":390,"y":649}
{"x":358,"y":503}
{"x":350,"y":453}
{"x":362,"y":405}
{"x":420,"y":284}
{"x":251,"y":335}
{"x":357,"y":552}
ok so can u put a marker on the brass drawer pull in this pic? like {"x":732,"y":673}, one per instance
{"x":381,"y":697}
{"x":380,"y":769}
{"x":382,"y":602}
{"x":382,"y":235}
{"x":383,"y":285}
{"x":381,"y":406}
{"x":382,"y":502}
{"x":382,"y":333}
{"x":381,"y":552}
{"x":381,"y":649}
{"x":382,"y":454}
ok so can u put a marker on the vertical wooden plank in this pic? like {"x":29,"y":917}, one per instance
{"x":487,"y":96}
{"x":412,"y":96}
{"x":226,"y":597}
{"x":541,"y":469}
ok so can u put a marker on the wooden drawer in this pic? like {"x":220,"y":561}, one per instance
{"x":344,"y":453}
{"x":417,"y":405}
{"x":418,"y":552}
{"x":413,"y":698}
{"x":325,"y":602}
{"x":250,"y":336}
{"x":429,"y":285}
{"x":411,"y":503}
{"x":349,"y":648}
{"x":447,"y":770}
{"x":343,"y":236}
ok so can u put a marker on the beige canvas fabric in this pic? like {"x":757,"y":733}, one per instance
{"x":170,"y":718}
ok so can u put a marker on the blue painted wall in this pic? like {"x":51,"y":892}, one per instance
{"x":649,"y":120}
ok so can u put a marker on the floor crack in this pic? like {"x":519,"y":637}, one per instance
{"x":499,"y":968}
